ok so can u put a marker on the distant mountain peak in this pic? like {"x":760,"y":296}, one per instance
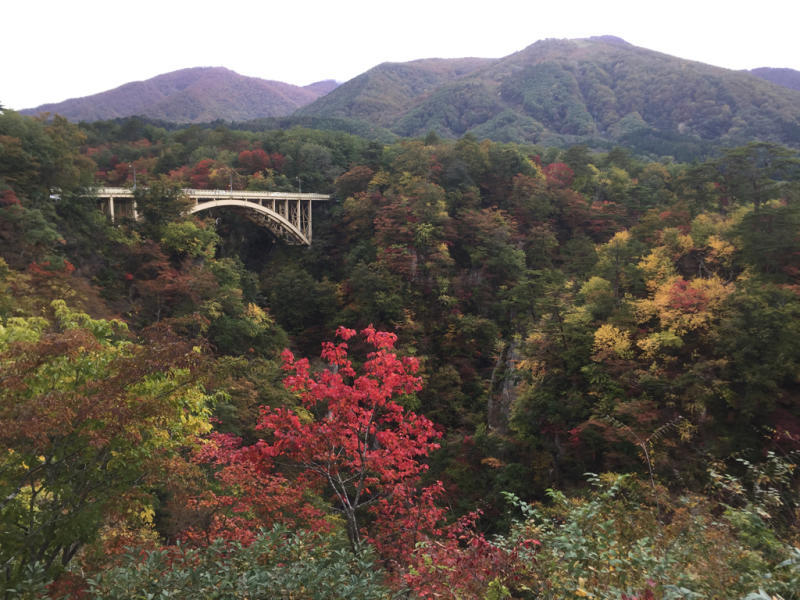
{"x":784,"y":77}
{"x":323,"y":87}
{"x":192,"y":95}
{"x":610,"y":39}
{"x":600,"y":89}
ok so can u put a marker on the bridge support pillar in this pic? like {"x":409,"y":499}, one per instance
{"x":287,"y":215}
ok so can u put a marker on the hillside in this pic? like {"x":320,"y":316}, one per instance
{"x":786,"y":77}
{"x":574,"y":373}
{"x":194,"y":95}
{"x":383,"y":94}
{"x":600,"y":91}
{"x":565,"y":91}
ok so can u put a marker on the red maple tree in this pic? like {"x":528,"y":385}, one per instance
{"x":363,"y":443}
{"x":349,"y":439}
{"x":351,"y":442}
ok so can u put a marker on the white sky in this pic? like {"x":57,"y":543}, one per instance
{"x":59,"y":49}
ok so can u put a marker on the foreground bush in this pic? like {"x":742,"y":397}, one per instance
{"x":278,"y":564}
{"x":621,"y":542}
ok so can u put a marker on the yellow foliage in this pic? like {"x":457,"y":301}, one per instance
{"x":676,"y":243}
{"x":581,"y":592}
{"x":594,"y":287}
{"x":620,"y":239}
{"x":644,"y":310}
{"x":537,"y":368}
{"x":535,"y":338}
{"x":597,"y":291}
{"x":684,"y":306}
{"x":609,"y":342}
{"x":21,"y":329}
{"x":720,"y":252}
{"x":258,"y":315}
{"x":213,"y":309}
{"x":381,"y":179}
{"x":654,"y":344}
{"x":657,"y":268}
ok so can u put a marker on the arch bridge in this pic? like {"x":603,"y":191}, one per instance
{"x":286,"y":214}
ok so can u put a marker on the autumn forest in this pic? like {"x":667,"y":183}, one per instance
{"x":501,"y":370}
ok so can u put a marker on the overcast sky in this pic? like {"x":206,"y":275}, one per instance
{"x":54,"y":50}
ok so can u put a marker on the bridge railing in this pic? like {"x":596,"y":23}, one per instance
{"x":288,"y":214}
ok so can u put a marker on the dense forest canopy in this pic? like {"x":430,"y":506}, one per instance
{"x":545,"y":372}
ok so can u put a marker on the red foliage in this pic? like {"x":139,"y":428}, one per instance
{"x":181,"y":175}
{"x":253,"y":161}
{"x":119,"y":174}
{"x":677,"y":216}
{"x":199,"y":178}
{"x":786,"y":436}
{"x":353,"y":181}
{"x":48,"y":269}
{"x":559,"y":175}
{"x":363,"y":451}
{"x":8,"y":197}
{"x":253,"y":496}
{"x":278,"y":160}
{"x":687,"y":299}
{"x":605,"y":219}
{"x":394,"y":233}
{"x":431,"y":557}
{"x":360,"y":448}
{"x":95,"y":150}
{"x":365,"y":436}
{"x":68,"y":585}
{"x":646,"y":594}
{"x":394,"y":224}
{"x":158,"y":288}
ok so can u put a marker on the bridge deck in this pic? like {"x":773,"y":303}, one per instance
{"x":287,"y":214}
{"x":122,"y":192}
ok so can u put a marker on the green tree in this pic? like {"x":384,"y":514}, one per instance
{"x":758,"y":340}
{"x":769,"y":240}
{"x":87,"y":419}
{"x":160,"y":202}
{"x":757,"y":172}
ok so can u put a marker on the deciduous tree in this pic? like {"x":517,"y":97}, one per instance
{"x":350,"y":435}
{"x":86,"y":418}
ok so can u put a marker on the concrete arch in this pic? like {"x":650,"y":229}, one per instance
{"x":287,"y":214}
{"x":292,"y":230}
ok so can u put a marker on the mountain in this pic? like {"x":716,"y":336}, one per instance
{"x":601,"y":90}
{"x":786,"y":77}
{"x":322,"y":87}
{"x":194,"y":95}
{"x":383,"y":94}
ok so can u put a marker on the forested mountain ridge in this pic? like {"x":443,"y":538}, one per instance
{"x":600,"y":91}
{"x":195,"y":95}
{"x":789,"y":78}
{"x":382,"y":94}
{"x":595,"y":89}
